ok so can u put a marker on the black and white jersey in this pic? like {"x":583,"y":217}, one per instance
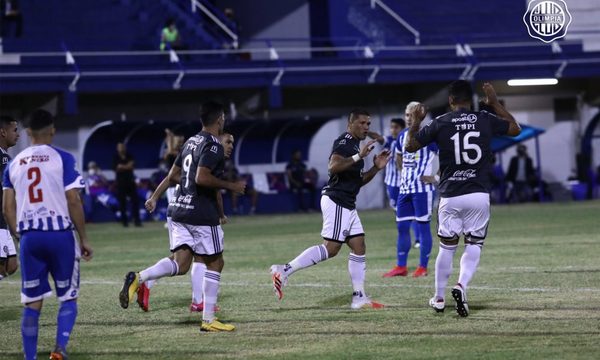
{"x":343,"y":187}
{"x":464,"y":139}
{"x":4,"y":159}
{"x":194,"y":204}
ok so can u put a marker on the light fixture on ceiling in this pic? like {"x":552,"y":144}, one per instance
{"x":532,"y":82}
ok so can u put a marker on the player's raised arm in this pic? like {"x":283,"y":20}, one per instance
{"x":338,"y":163}
{"x":379,"y":162}
{"x":417,"y":114}
{"x":75,"y":207}
{"x":491,"y":100}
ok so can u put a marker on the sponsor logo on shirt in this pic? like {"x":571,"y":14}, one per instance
{"x":462,"y":175}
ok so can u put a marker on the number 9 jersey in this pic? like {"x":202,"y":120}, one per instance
{"x":464,"y":139}
{"x":40,"y":175}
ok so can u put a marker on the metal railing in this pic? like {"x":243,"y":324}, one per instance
{"x":199,"y":5}
{"x":398,"y":18}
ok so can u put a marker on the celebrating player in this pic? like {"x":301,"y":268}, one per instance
{"x":9,"y":135}
{"x":464,"y":138}
{"x":195,"y":226}
{"x":341,"y":223}
{"x":41,"y":203}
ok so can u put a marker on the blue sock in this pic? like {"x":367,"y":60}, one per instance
{"x":403,"y":242}
{"x":29,"y":332}
{"x":415,"y":228}
{"x":426,"y":243}
{"x":67,"y":313}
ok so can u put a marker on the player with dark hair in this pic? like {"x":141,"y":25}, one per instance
{"x":341,"y":223}
{"x":41,"y":203}
{"x":392,"y":173}
{"x":9,"y":135}
{"x":196,"y":217}
{"x":463,"y":137}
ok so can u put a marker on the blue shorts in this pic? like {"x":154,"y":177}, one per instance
{"x":418,"y":206}
{"x":49,"y":252}
{"x":392,"y":192}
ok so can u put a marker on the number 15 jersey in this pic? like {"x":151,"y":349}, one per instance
{"x":464,"y":139}
{"x":40,"y":175}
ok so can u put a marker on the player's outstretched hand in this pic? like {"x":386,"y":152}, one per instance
{"x":150,"y":205}
{"x":490,"y":94}
{"x":239,"y":187}
{"x":366,"y":150}
{"x":87,"y":253}
{"x":381,"y":159}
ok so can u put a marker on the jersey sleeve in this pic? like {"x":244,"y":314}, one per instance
{"x":341,"y":147}
{"x":71,"y":177}
{"x":433,"y":147}
{"x":211,"y":155}
{"x":6,"y":183}
{"x":428,"y":133}
{"x":499,"y":126}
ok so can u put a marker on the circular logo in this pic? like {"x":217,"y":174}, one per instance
{"x":547,"y":20}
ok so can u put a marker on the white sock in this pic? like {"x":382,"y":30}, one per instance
{"x":211,"y":290}
{"x":357,"y":267}
{"x":197,"y":278}
{"x":443,"y":269}
{"x":311,"y":256}
{"x":164,"y":267}
{"x":468,"y":264}
{"x":150,"y":283}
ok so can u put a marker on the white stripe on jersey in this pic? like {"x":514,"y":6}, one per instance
{"x":40,"y":175}
{"x":392,"y":175}
{"x":414,"y":165}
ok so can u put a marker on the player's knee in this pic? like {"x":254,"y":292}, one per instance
{"x":449,"y":241}
{"x":183,"y":267}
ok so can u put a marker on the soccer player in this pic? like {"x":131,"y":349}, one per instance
{"x":198,"y":267}
{"x":195,"y":226}
{"x":41,"y":203}
{"x":341,"y":223}
{"x":9,"y":135}
{"x":392,"y":173}
{"x":415,"y":202}
{"x":464,"y":138}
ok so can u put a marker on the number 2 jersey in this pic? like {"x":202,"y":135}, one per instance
{"x":40,"y":175}
{"x":194,"y":204}
{"x":464,"y":139}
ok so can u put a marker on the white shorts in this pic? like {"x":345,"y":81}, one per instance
{"x":202,"y":240}
{"x":339,"y":223}
{"x":7,"y":245}
{"x":467,"y":215}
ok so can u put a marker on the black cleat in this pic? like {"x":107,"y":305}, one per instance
{"x":462,"y":308}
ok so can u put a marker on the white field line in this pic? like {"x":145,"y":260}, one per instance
{"x":344,"y":285}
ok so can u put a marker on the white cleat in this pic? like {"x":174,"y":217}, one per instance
{"x":279,"y":279}
{"x":362,"y":301}
{"x":437,"y":304}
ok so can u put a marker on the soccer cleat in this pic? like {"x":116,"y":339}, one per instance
{"x":362,"y":301}
{"x":130,"y":286}
{"x":396,"y":271}
{"x":421,"y":271}
{"x":216,"y":326}
{"x":459,"y":295}
{"x":143,"y":297}
{"x":437,"y":304}
{"x":199,"y":307}
{"x":279,"y":279}
{"x":58,"y":354}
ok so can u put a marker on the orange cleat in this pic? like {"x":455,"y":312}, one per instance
{"x":421,"y":271}
{"x":143,"y":297}
{"x":199,"y":307}
{"x":396,"y":271}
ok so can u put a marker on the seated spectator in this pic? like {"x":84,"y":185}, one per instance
{"x":299,"y":181}
{"x":11,"y":13}
{"x":231,"y":173}
{"x":521,"y":176}
{"x":170,"y":38}
{"x":98,"y":187}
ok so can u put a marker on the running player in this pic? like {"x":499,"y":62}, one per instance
{"x":198,"y":267}
{"x":41,"y":203}
{"x":341,"y":223}
{"x":414,"y":204}
{"x":195,"y":226}
{"x":464,"y":138}
{"x":9,"y":135}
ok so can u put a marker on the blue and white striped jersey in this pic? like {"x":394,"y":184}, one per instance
{"x":415,"y":165}
{"x":392,"y":174}
{"x":40,"y":175}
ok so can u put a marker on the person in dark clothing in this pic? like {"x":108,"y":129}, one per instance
{"x":123,"y":165}
{"x":297,"y":177}
{"x":11,"y":13}
{"x":521,"y":176}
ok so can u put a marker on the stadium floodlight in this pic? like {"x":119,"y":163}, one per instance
{"x":532,"y":82}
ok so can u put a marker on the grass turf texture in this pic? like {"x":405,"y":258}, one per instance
{"x":536,"y":295}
